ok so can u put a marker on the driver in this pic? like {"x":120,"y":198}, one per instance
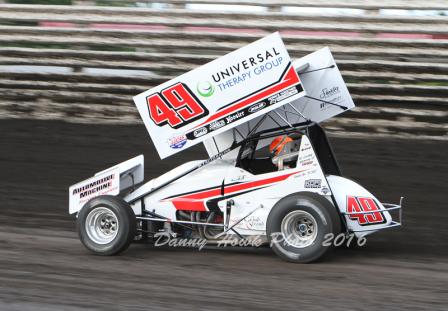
{"x":283,"y":149}
{"x":279,"y":145}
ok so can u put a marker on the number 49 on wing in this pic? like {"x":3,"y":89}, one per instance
{"x":176,"y":106}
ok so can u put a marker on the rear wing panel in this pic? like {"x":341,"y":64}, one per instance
{"x":131,"y":172}
{"x":326,"y":96}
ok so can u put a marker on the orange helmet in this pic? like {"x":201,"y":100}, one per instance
{"x":278,"y":144}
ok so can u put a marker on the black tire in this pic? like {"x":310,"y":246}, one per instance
{"x":105,"y":240}
{"x":301,"y":205}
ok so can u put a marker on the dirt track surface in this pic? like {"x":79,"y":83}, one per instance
{"x":43,"y":266}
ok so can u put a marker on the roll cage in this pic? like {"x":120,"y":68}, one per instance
{"x":315,"y":133}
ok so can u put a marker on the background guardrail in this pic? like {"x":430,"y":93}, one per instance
{"x":83,"y":63}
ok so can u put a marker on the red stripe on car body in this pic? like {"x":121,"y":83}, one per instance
{"x":196,"y":201}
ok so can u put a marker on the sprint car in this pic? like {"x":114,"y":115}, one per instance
{"x":271,"y":177}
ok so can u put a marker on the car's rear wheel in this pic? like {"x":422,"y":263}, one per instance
{"x":298,"y":224}
{"x":106,"y":225}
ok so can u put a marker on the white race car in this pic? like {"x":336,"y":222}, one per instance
{"x":270,"y":180}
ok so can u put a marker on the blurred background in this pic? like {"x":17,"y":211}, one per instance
{"x":68,"y":72}
{"x":82,"y":61}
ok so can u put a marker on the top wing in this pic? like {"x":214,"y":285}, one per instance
{"x":220,"y":95}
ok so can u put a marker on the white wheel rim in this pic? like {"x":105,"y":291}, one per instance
{"x":102,"y":225}
{"x":299,"y":229}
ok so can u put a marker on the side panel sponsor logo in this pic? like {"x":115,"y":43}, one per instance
{"x":313,"y":183}
{"x":105,"y":183}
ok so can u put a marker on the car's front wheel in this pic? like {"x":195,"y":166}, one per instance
{"x":106,"y":225}
{"x":298,"y":224}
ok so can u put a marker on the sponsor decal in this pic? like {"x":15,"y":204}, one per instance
{"x":327,"y":93}
{"x":283,"y":95}
{"x":306,"y":159}
{"x":248,"y":68}
{"x":234,"y":117}
{"x":251,"y":222}
{"x":238,"y":178}
{"x":256,"y":107}
{"x":364,"y":204}
{"x":200,"y":132}
{"x":205,"y":89}
{"x":217,"y":124}
{"x":332,"y":94}
{"x":313,"y":183}
{"x":177,"y":142}
{"x":105,"y":183}
{"x":306,"y":147}
{"x":94,"y":186}
{"x":325,"y":190}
